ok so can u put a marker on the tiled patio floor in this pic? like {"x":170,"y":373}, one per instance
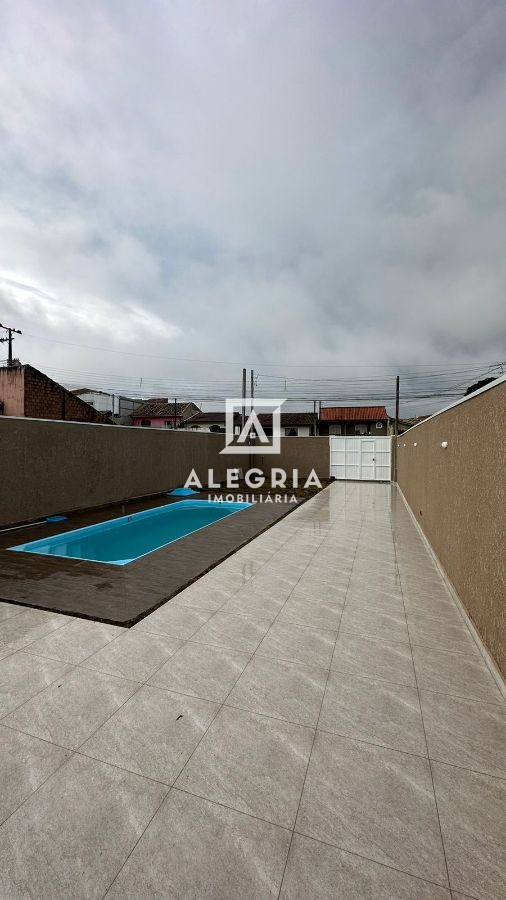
{"x":312,"y":719}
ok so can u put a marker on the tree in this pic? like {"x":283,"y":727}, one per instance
{"x":478,"y":385}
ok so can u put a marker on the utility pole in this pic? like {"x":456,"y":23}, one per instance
{"x":175,"y":413}
{"x":243,"y":413}
{"x":397,"y":406}
{"x":396,"y":431}
{"x":250,"y":437}
{"x":10,"y":332}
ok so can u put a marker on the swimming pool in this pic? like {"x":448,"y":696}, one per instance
{"x":123,"y":540}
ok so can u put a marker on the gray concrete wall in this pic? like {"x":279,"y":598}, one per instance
{"x":458,"y":496}
{"x":55,"y":467}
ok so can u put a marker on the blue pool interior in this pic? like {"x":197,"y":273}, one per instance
{"x":123,"y":540}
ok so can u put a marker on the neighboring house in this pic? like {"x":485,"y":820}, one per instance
{"x":293,"y":424}
{"x":296,"y":424}
{"x":159,"y":413}
{"x":24,"y":391}
{"x":119,"y":407}
{"x":211,"y":421}
{"x":354,"y":420}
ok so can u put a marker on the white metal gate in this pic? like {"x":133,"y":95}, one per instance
{"x":360,"y":458}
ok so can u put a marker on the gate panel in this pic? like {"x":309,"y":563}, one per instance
{"x":360,"y":458}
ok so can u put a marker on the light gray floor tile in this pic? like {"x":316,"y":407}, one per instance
{"x":374,"y":711}
{"x":316,"y":871}
{"x":285,"y":690}
{"x":8,"y":610}
{"x":375,"y":623}
{"x":360,"y":655}
{"x":311,"y":588}
{"x":309,"y":646}
{"x":72,"y":708}
{"x":257,"y":605}
{"x":135,"y":654}
{"x":456,"y":895}
{"x":202,"y":671}
{"x":30,"y":625}
{"x":75,"y":641}
{"x":202,"y":596}
{"x":472,"y":813}
{"x":433,"y":608}
{"x":251,"y":763}
{"x":315,"y":613}
{"x":175,"y":621}
{"x":465,"y":733}
{"x":197,"y":849}
{"x":153,"y":734}
{"x":372,"y":580}
{"x":376,"y":802}
{"x":5,"y":650}
{"x":437,"y":633}
{"x":25,"y":763}
{"x":455,"y":673}
{"x":68,"y":841}
{"x":22,"y":676}
{"x":234,"y":632}
{"x":372,"y":600}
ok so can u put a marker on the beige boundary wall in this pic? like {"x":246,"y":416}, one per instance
{"x":458,"y":496}
{"x":55,"y":467}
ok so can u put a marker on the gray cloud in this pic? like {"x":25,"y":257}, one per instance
{"x":258,"y":181}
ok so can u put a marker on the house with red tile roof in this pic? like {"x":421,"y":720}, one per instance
{"x":352,"y":421}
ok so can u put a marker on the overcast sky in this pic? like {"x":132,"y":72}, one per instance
{"x":262,"y":182}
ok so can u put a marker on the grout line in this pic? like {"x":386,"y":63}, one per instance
{"x":53,"y":773}
{"x":42,"y":689}
{"x":143,"y":832}
{"x":374,"y":862}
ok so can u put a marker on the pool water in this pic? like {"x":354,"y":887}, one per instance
{"x":121,"y":541}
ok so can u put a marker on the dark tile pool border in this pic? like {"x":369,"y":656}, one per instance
{"x":123,"y":595}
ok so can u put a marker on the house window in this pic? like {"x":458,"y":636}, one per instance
{"x":361,"y":429}
{"x":335,"y":429}
{"x":145,"y":423}
{"x":379,"y":424}
{"x":291,"y":432}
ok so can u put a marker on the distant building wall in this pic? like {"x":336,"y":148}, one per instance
{"x":458,"y":496}
{"x":354,"y":429}
{"x":165,"y":422}
{"x":46,"y":399}
{"x":27,"y":392}
{"x":105,"y":402}
{"x":12,"y":391}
